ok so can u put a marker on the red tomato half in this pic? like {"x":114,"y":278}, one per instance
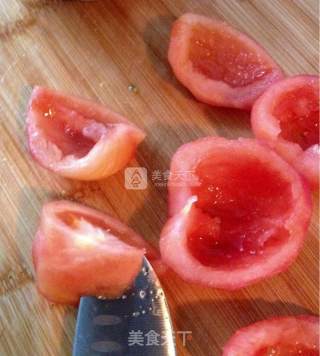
{"x":287,"y":117}
{"x":218,"y":64}
{"x":239,"y":213}
{"x":284,"y":336}
{"x":80,"y":251}
{"x":77,"y":138}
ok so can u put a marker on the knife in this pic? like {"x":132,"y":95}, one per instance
{"x":136,"y":324}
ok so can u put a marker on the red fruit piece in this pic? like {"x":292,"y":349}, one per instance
{"x":283,"y":336}
{"x":218,"y":64}
{"x":77,"y":138}
{"x":79,"y":251}
{"x":287,"y":116}
{"x":239,"y":213}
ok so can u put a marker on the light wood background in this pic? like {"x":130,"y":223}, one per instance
{"x":97,"y":49}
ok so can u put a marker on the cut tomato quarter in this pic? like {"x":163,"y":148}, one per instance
{"x":218,"y":64}
{"x":283,"y":336}
{"x":77,"y":138}
{"x":239,"y":213}
{"x":287,"y":117}
{"x":79,"y":251}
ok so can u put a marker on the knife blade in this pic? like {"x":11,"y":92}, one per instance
{"x":138,"y":323}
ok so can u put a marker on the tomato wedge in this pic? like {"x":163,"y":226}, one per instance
{"x":218,"y":64}
{"x":287,"y":117}
{"x":283,"y":336}
{"x":77,"y":138}
{"x":79,"y":251}
{"x":239,"y":213}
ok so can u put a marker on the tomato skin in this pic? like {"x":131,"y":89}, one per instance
{"x":266,"y":125}
{"x":184,"y":203}
{"x":217,"y":92}
{"x":88,"y":141}
{"x":287,"y":331}
{"x":70,"y":261}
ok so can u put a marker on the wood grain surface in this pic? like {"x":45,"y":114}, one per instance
{"x":97,"y":49}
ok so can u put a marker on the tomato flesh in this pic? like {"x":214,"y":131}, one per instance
{"x":287,"y":350}
{"x":79,"y":251}
{"x":239,"y":205}
{"x":68,"y":129}
{"x":221,"y":57}
{"x":298,"y":115}
{"x":77,"y":220}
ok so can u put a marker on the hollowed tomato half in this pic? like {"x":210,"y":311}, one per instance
{"x":77,"y":138}
{"x":239,"y":213}
{"x":219,"y":65}
{"x":287,"y":117}
{"x":282,"y":336}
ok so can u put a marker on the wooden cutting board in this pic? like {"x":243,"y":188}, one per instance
{"x":98,"y":50}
